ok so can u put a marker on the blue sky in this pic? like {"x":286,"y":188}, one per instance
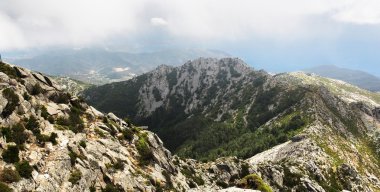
{"x":274,"y":35}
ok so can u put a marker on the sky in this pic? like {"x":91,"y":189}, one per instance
{"x":275,"y":35}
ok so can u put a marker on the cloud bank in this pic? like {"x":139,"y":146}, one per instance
{"x":41,"y":23}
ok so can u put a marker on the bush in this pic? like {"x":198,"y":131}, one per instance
{"x":8,"y":70}
{"x":118,"y":165}
{"x":10,"y":155}
{"x":128,"y":134}
{"x":26,"y":96}
{"x":33,"y":125}
{"x":24,"y":169}
{"x":145,"y":152}
{"x":253,"y":181}
{"x":75,"y":176}
{"x":73,"y":156}
{"x":15,"y":134}
{"x":36,"y":89}
{"x":60,"y":98}
{"x":18,"y":134}
{"x":13,"y":102}
{"x":5,"y":188}
{"x":44,"y":112}
{"x":53,"y":138}
{"x":76,"y":122}
{"x":83,"y":144}
{"x":9,"y":175}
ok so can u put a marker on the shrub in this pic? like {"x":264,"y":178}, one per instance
{"x":15,"y":134}
{"x":118,"y":165}
{"x":253,"y":181}
{"x":128,"y":134}
{"x":60,"y":98}
{"x":62,"y":121}
{"x":36,"y":89}
{"x":33,"y":125}
{"x":24,"y":169}
{"x":26,"y":96}
{"x":5,"y":188}
{"x":76,"y":122}
{"x":222,"y":184}
{"x":99,"y":132}
{"x":8,"y":70}
{"x":44,"y":112}
{"x":10,"y":155}
{"x":9,"y":175}
{"x":83,"y":144}
{"x":18,"y":134}
{"x":13,"y":102}
{"x":73,"y":156}
{"x":145,"y":152}
{"x":53,"y":138}
{"x":92,"y":189}
{"x":75,"y":176}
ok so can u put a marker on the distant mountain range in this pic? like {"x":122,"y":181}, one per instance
{"x":100,"y":66}
{"x":359,"y":78}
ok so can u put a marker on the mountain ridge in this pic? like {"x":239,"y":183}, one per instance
{"x":355,"y":77}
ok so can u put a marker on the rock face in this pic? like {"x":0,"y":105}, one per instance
{"x":90,"y":151}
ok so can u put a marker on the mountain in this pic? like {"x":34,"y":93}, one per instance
{"x":355,"y":77}
{"x":52,"y":141}
{"x":100,"y":66}
{"x":301,"y":132}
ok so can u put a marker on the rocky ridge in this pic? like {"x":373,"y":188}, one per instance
{"x":326,"y":131}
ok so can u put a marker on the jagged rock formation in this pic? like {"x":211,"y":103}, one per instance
{"x":67,"y":145}
{"x":324,"y":132}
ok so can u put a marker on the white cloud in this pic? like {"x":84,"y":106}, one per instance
{"x":26,"y":23}
{"x":120,"y":69}
{"x":158,"y":21}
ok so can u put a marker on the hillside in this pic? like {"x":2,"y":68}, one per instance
{"x":210,"y":108}
{"x":100,"y":66}
{"x":53,"y":141}
{"x":354,"y":77}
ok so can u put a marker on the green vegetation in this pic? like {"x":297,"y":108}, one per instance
{"x":24,"y":169}
{"x":5,"y":188}
{"x":13,"y":102}
{"x":254,"y":181}
{"x":60,"y":97}
{"x":234,"y":139}
{"x":189,"y":173}
{"x":83,"y":144}
{"x":16,"y":134}
{"x":128,"y":134}
{"x":100,"y":132}
{"x":37,"y":89}
{"x":9,"y":175}
{"x":8,"y":70}
{"x":74,"y":122}
{"x":11,"y":154}
{"x":44,"y":112}
{"x":112,"y":188}
{"x":75,"y":176}
{"x":73,"y":156}
{"x":144,"y":150}
{"x":26,"y":96}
